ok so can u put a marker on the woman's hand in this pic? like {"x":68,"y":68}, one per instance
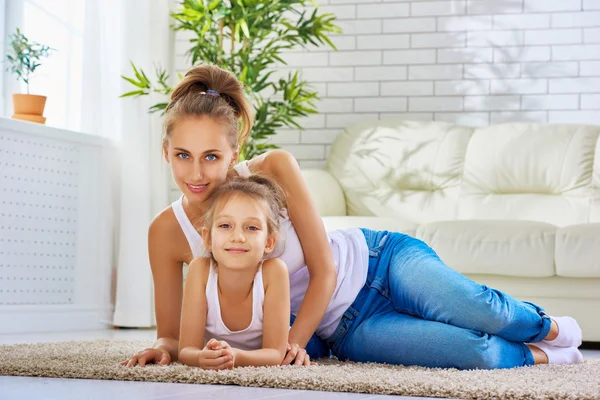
{"x":149,"y":356}
{"x":296,"y":355}
{"x":217,"y":355}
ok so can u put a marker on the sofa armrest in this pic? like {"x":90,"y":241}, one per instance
{"x":325,"y":191}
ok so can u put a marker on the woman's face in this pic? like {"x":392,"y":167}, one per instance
{"x":200,"y":155}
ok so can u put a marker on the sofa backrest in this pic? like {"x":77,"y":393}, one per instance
{"x":431,"y":171}
{"x":535,"y":172}
{"x":408,"y":169}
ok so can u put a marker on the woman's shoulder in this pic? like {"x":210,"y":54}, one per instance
{"x":165,"y":231}
{"x":272,"y":162}
{"x":164,"y":222}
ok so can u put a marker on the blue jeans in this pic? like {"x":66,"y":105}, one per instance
{"x":414,"y":310}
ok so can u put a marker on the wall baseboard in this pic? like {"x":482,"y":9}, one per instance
{"x":31,"y":319}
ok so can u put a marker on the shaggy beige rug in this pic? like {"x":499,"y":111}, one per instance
{"x":100,"y":359}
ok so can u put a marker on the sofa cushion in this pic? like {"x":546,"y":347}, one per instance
{"x":534,"y":172}
{"x":511,"y":248}
{"x":406,"y":169}
{"x":375,"y":223}
{"x":578,"y":251}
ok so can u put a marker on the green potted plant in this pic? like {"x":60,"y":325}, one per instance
{"x":24,"y":58}
{"x":247,"y":38}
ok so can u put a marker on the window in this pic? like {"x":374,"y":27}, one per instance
{"x":60,"y":25}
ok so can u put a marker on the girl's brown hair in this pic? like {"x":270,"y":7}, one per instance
{"x":258,"y":188}
{"x":211,"y":91}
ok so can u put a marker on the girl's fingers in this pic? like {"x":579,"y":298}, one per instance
{"x":225,"y":365}
{"x":214,"y":362}
{"x":212,"y":354}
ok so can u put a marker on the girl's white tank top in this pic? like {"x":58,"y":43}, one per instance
{"x":249,"y":338}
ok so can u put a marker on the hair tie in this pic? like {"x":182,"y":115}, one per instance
{"x":211,"y":92}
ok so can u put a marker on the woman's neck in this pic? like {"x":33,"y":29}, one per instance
{"x":193,"y":211}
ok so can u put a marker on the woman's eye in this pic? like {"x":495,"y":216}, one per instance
{"x":211,"y":157}
{"x":183,"y":156}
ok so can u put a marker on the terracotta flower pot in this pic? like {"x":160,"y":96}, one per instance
{"x":29,"y":107}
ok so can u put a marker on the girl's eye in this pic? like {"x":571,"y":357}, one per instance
{"x":253,"y":228}
{"x":183,"y":156}
{"x":224,"y":226}
{"x":211,"y":157}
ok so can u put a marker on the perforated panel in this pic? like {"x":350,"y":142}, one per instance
{"x":38,"y":219}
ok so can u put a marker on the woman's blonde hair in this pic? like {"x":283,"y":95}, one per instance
{"x":256,"y":187}
{"x":208,"y":90}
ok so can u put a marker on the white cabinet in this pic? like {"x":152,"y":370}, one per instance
{"x":55,"y":229}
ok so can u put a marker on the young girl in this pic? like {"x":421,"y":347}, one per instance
{"x":236,"y":305}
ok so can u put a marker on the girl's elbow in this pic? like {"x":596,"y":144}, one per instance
{"x":183,"y":357}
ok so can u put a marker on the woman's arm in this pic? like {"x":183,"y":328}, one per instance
{"x":168,"y":277}
{"x":276,"y":318}
{"x":193,"y":313}
{"x":313,"y":238}
{"x":167,"y":274}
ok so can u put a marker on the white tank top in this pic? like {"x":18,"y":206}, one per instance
{"x":350,"y":255}
{"x":249,"y":338}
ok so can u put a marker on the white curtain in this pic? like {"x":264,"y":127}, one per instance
{"x":117,"y":32}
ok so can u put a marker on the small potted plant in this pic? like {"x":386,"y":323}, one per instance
{"x":24,"y":57}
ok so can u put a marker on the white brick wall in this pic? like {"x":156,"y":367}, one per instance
{"x":472,"y":62}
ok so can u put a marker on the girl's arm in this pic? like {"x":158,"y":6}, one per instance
{"x":313,"y":238}
{"x":193,"y":313}
{"x":276,"y":318}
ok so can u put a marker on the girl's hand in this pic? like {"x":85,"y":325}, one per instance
{"x":148,"y":356}
{"x":217,"y":355}
{"x":296,"y":355}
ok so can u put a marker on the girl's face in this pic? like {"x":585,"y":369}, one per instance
{"x":200,"y":155}
{"x":239,"y":236}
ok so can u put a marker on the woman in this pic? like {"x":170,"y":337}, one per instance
{"x":373,"y":296}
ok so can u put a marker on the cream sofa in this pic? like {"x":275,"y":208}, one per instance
{"x":514,"y":206}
